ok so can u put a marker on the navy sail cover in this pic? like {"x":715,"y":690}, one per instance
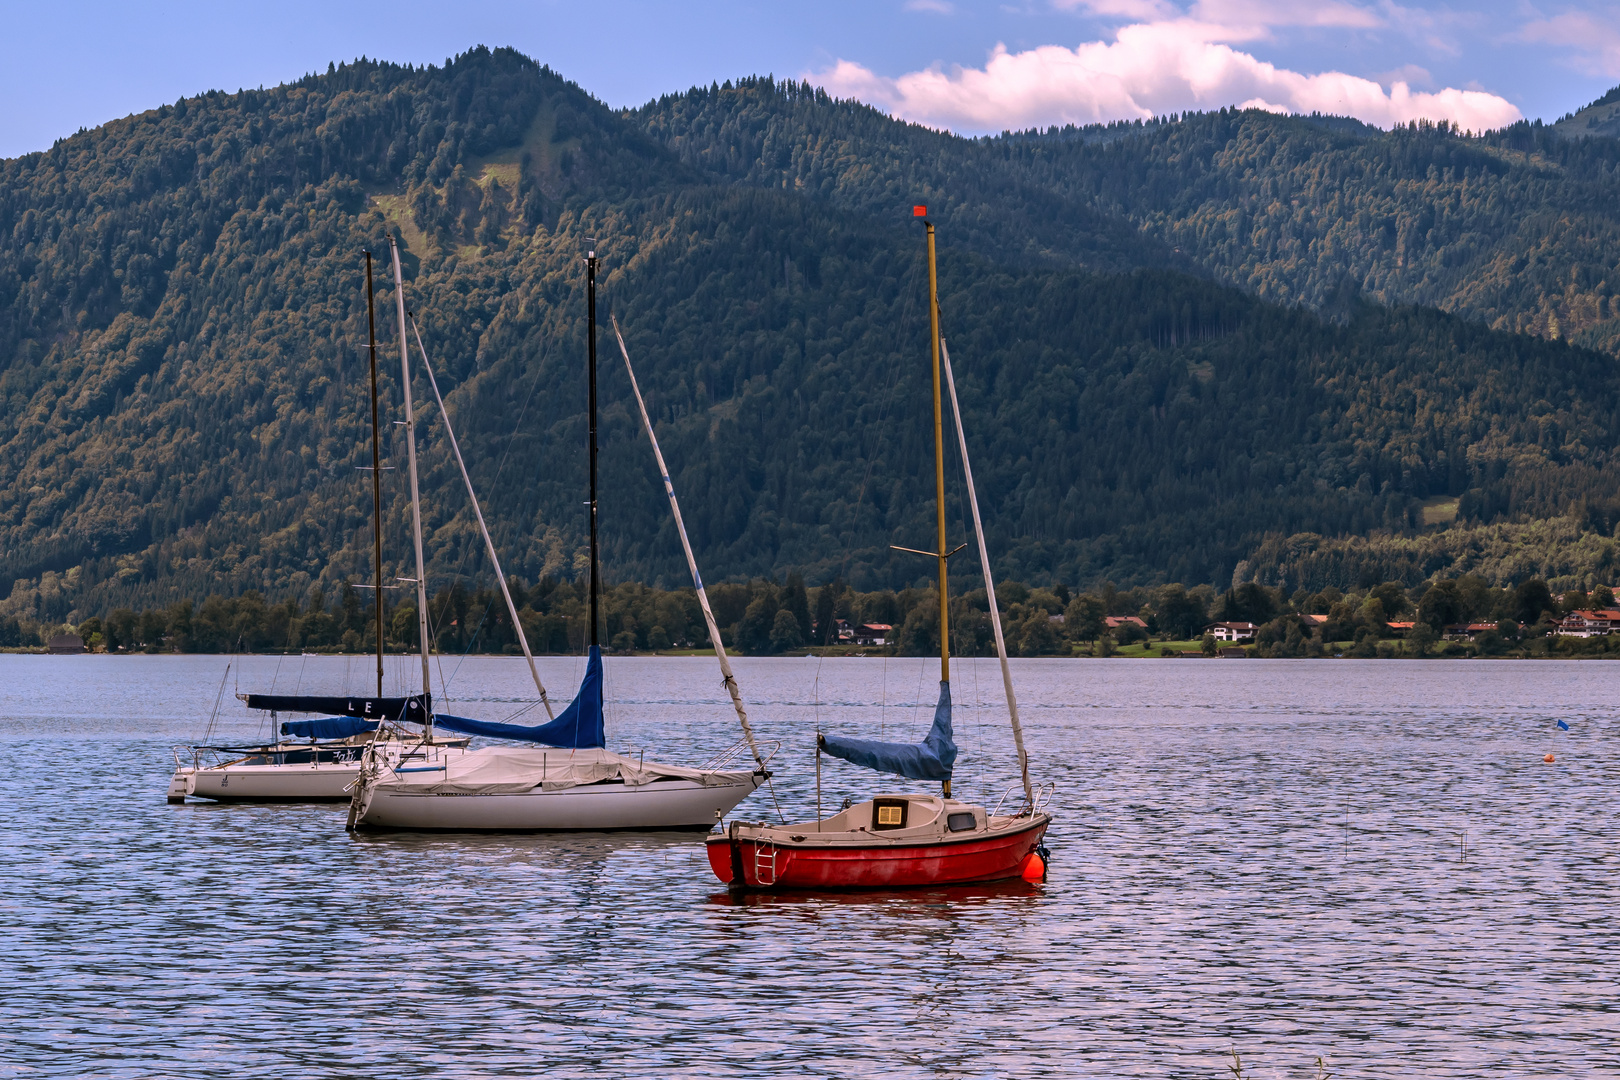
{"x":412,"y":710}
{"x":931,"y":759}
{"x":329,"y":727}
{"x":579,"y":725}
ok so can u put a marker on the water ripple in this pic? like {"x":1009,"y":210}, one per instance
{"x":1366,"y":862}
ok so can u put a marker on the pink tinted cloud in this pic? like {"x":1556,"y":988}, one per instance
{"x":1148,"y":69}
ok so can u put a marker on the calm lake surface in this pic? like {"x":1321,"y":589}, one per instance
{"x":1267,"y":856}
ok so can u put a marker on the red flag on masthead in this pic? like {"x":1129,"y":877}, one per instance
{"x":919,"y":211}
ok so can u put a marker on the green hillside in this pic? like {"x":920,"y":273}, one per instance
{"x":182,"y":330}
{"x":1515,"y":228}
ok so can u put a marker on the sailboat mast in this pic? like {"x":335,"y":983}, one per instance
{"x":939,"y":476}
{"x":478,"y":515}
{"x":590,"y":340}
{"x":989,"y":580}
{"x":691,"y":560}
{"x":416,"y":501}
{"x":376,"y":473}
{"x":939,"y":462}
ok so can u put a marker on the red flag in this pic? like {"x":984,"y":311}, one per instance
{"x":919,"y":211}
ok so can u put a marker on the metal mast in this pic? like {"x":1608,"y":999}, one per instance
{"x":590,"y":339}
{"x":416,"y":502}
{"x":483,"y":529}
{"x":989,"y":582}
{"x":376,"y":473}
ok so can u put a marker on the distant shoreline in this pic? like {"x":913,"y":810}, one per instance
{"x":1127,"y":653}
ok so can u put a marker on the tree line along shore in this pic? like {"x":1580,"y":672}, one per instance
{"x":763,"y":618}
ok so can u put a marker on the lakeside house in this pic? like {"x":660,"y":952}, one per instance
{"x":65,"y":645}
{"x":1585,"y":624}
{"x":873,"y":633}
{"x":1467,"y":631}
{"x":1232,"y":631}
{"x":1399,"y":629}
{"x":1114,"y":622}
{"x":1314,"y":620}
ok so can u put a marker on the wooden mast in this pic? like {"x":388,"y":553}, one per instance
{"x":376,"y":474}
{"x":939,"y":471}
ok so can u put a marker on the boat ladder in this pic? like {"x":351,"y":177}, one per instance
{"x":764,"y":863}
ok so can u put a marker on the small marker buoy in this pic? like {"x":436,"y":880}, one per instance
{"x":1549,"y":759}
{"x":1034,"y":870}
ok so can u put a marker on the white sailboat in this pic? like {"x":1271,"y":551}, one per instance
{"x":569,"y":781}
{"x":324,"y":769}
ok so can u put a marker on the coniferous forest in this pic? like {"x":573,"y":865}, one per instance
{"x":1215,"y":349}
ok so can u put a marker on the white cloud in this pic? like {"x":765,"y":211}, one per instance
{"x":933,"y":7}
{"x":1128,"y":9}
{"x":1597,"y":41}
{"x":1414,"y":75}
{"x":1251,"y":18}
{"x":1148,"y":69}
{"x":1268,"y":13}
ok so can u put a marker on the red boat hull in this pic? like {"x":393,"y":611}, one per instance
{"x":767,"y":865}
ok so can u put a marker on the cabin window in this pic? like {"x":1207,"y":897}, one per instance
{"x":962,"y":822}
{"x":889,"y":814}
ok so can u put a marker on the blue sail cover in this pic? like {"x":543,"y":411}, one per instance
{"x":330,"y":727}
{"x":930,"y":759}
{"x":579,"y":725}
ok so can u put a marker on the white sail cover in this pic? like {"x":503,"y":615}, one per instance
{"x":499,"y":770}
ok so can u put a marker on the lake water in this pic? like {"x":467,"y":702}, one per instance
{"x":1363,"y":861}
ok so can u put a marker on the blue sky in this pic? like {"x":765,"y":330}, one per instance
{"x":963,"y":65}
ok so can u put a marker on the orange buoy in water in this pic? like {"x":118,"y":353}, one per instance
{"x":1034,"y":870}
{"x":1549,"y":759}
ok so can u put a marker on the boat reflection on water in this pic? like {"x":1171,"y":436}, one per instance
{"x":915,"y":897}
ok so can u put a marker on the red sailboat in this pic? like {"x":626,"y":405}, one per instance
{"x":903,"y":840}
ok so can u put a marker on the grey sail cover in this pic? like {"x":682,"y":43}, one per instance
{"x":931,"y":759}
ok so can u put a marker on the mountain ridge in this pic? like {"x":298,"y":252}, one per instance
{"x":182,"y":322}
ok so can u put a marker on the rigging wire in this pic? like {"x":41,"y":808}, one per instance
{"x":208,"y":734}
{"x":468,"y":549}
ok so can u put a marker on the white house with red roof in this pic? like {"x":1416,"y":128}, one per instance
{"x":1599,"y":623}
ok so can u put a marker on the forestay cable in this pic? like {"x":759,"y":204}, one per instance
{"x":989,"y":582}
{"x":691,"y":560}
{"x":489,"y":544}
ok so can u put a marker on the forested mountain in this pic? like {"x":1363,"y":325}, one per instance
{"x":182,"y":332}
{"x":1515,"y":228}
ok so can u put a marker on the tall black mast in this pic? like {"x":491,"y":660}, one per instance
{"x":376,"y":474}
{"x":590,"y":340}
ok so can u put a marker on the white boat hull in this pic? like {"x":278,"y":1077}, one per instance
{"x":325,"y":782}
{"x":660,"y":805}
